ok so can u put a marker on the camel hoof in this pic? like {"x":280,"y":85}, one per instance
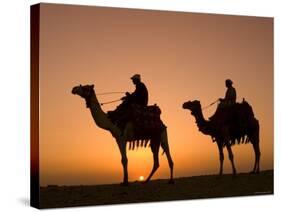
{"x":171,"y":181}
{"x":254,"y":172}
{"x":124,"y":184}
{"x":144,"y":182}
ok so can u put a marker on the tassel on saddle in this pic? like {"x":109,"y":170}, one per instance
{"x":138,"y":143}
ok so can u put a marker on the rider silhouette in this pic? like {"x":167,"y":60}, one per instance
{"x":140,"y":95}
{"x":224,"y":109}
{"x":230,"y":95}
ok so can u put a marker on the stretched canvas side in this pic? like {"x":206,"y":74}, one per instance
{"x":34,"y":113}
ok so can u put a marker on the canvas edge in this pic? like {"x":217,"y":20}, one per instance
{"x":34,"y":105}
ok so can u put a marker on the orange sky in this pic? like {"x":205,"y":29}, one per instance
{"x":181,"y":56}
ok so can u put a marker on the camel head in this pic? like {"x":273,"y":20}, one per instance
{"x":193,"y":106}
{"x":85,"y":91}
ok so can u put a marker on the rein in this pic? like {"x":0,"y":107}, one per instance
{"x":210,"y":104}
{"x":104,"y":103}
{"x":107,"y":93}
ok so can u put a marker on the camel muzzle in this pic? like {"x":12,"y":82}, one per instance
{"x":185,"y":105}
{"x":74,"y":91}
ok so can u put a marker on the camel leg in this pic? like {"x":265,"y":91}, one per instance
{"x":122,"y":141}
{"x":155,"y":151}
{"x":256,"y":168}
{"x":231,"y":158}
{"x":257,"y":147}
{"x":255,"y":164}
{"x":221,"y":158}
{"x":255,"y":139}
{"x":165,"y":146}
{"x":124,"y":161}
{"x":171,"y":165}
{"x":258,"y":158}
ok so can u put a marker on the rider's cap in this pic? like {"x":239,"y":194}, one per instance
{"x":229,"y":81}
{"x":136,"y":76}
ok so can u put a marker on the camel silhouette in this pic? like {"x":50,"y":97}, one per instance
{"x":101,"y":119}
{"x":244,"y":129}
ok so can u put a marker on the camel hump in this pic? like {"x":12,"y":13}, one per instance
{"x":151,"y":109}
{"x":144,"y":114}
{"x":147,"y":121}
{"x":245,"y":109}
{"x":239,"y":111}
{"x":148,"y":111}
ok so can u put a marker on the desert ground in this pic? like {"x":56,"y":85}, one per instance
{"x":197,"y":187}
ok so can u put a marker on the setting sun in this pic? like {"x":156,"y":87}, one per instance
{"x":141,"y":178}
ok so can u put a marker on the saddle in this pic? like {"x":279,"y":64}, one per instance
{"x":235,"y":117}
{"x":145,"y":119}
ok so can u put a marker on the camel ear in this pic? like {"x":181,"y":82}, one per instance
{"x":92,"y":86}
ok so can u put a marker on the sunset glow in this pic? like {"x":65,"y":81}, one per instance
{"x":180,"y":56}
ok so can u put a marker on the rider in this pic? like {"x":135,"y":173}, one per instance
{"x":140,"y":95}
{"x":225,"y":103}
{"x":230,"y":95}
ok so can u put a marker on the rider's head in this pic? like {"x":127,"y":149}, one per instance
{"x":228,"y":83}
{"x":136,"y":79}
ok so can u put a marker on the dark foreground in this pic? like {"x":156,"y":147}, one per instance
{"x":158,"y":190}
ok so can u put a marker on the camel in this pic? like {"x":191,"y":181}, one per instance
{"x":226,"y":135}
{"x":101,"y":119}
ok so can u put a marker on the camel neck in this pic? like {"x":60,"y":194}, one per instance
{"x":101,"y":118}
{"x":94,"y":104}
{"x":201,"y":122}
